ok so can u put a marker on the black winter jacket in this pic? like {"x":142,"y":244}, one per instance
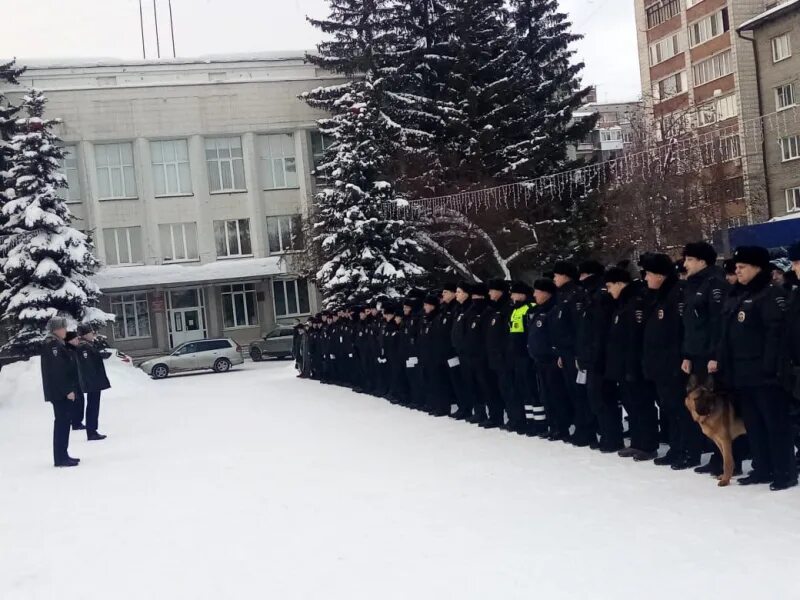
{"x":595,"y":320}
{"x":624,"y":342}
{"x":753,"y":326}
{"x":497,"y":334}
{"x":541,"y":331}
{"x":663,"y":332}
{"x":475,"y":322}
{"x":569,"y":306}
{"x":59,"y":370}
{"x":704,"y":299}
{"x":91,"y":369}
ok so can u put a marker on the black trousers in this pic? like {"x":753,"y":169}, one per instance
{"x":525,"y":404}
{"x":504,"y":378}
{"x":77,"y":409}
{"x":366,"y":371}
{"x":416,"y":385}
{"x":638,"y":398}
{"x":465,"y":395}
{"x":604,"y":400}
{"x":481,"y":382}
{"x":62,"y":411}
{"x":765,"y":411}
{"x":553,"y":395}
{"x":685,"y":436}
{"x":581,"y":413}
{"x":438,"y":391}
{"x":92,"y":410}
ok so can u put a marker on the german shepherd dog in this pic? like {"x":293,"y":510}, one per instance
{"x":713,"y":410}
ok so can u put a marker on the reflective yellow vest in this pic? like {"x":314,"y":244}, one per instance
{"x":517,"y":320}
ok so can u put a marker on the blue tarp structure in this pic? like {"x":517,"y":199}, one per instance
{"x":776,"y":234}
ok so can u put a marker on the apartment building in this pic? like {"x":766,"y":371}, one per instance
{"x":775,"y":36}
{"x":698,"y":73}
{"x":193,"y":177}
{"x":614,"y":132}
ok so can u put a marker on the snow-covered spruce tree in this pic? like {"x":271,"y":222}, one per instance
{"x":45,"y":262}
{"x":360,"y":251}
{"x":9,"y":75}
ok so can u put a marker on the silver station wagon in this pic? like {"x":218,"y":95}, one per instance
{"x":219,"y":355}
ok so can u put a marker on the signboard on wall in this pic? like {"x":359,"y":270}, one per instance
{"x":157,"y":302}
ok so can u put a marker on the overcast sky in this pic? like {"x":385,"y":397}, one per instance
{"x":110,"y":28}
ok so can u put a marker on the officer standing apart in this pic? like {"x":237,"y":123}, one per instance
{"x":59,"y":380}
{"x":93,"y":378}
{"x":752,"y":332}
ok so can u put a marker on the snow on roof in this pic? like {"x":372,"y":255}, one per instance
{"x":89,"y":62}
{"x":769,"y":14}
{"x":117,"y":278}
{"x":790,"y":216}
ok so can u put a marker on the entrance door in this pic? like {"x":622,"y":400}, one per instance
{"x":186,"y":316}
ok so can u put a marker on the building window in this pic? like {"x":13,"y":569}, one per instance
{"x":319,"y":144}
{"x":115,"y":172}
{"x":781,"y":47}
{"x":171,"y":174}
{"x":784,"y":96}
{"x":133,"y":317}
{"x":730,"y":147}
{"x":662,"y":11}
{"x":290,"y":297}
{"x":671,"y":86}
{"x":225,"y":164}
{"x":736,"y":222}
{"x":790,"y":147}
{"x":233,"y":238}
{"x":123,"y":245}
{"x":278,"y":166}
{"x":713,"y":68}
{"x":717,"y":110}
{"x":665,"y":49}
{"x":239,"y":308}
{"x":178,"y":242}
{"x":610,"y":135}
{"x":285,"y":234}
{"x":691,"y":3}
{"x":793,"y":199}
{"x":69,"y":168}
{"x":708,"y":27}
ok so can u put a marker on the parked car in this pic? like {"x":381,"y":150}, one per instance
{"x":276,"y":344}
{"x":218,"y":355}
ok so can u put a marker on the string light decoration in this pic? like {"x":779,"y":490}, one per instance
{"x":688,"y":154}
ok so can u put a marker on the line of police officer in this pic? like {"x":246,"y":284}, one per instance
{"x":560,"y":360}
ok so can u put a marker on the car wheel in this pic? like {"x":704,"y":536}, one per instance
{"x":221,"y":365}
{"x":159,"y":371}
{"x":256,"y":355}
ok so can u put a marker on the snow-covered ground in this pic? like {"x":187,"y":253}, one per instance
{"x":254,"y":484}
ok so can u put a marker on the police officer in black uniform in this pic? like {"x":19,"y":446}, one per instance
{"x":662,"y":356}
{"x":497,"y":351}
{"x":524,"y":410}
{"x":59,"y":380}
{"x":753,"y":327}
{"x":412,"y":317}
{"x":93,"y":378}
{"x":434,"y":341}
{"x":542,"y":349}
{"x":624,"y":366}
{"x":478,"y":378}
{"x":464,"y":394}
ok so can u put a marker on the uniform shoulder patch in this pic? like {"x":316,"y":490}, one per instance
{"x":639,"y":314}
{"x":716,"y":295}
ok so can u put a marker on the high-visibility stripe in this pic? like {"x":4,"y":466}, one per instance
{"x":539,"y":417}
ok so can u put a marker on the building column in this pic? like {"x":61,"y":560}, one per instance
{"x":205,"y":228}
{"x":213,"y":310}
{"x":255,"y":206}
{"x":151,"y":246}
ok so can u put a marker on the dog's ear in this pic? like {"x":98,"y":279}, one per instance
{"x":692,"y":383}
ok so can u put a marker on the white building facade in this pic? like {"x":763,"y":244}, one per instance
{"x":193,"y":178}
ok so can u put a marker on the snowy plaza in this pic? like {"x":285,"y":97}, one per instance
{"x":255,"y":484}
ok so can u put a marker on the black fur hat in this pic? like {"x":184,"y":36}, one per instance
{"x":545,"y":285}
{"x":794,"y":252}
{"x":752,"y":255}
{"x":660,"y":264}
{"x":390,"y":308}
{"x":730,"y":266}
{"x":563,"y":267}
{"x":701,"y":250}
{"x":464,"y":285}
{"x":617,"y":275}
{"x":479,"y":289}
{"x":590,"y":267}
{"x":520,"y":287}
{"x":499,"y":285}
{"x":449,"y":287}
{"x":431,"y":299}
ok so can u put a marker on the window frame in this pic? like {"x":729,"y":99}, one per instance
{"x":130,"y":299}
{"x":66,"y":193}
{"x":176,"y":164}
{"x":127,"y":194}
{"x":245,"y":291}
{"x":238,"y":238}
{"x":792,"y":143}
{"x":673,"y":42}
{"x":184,"y":235}
{"x":230,"y":160}
{"x":794,"y":192}
{"x":267,"y":162}
{"x":295,"y":221}
{"x":715,"y":65}
{"x":679,"y":76}
{"x":128,"y":243}
{"x":283,"y":283}
{"x":778,"y":95}
{"x":775,"y":47}
{"x":661,"y":12}
{"x":721,"y":17}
